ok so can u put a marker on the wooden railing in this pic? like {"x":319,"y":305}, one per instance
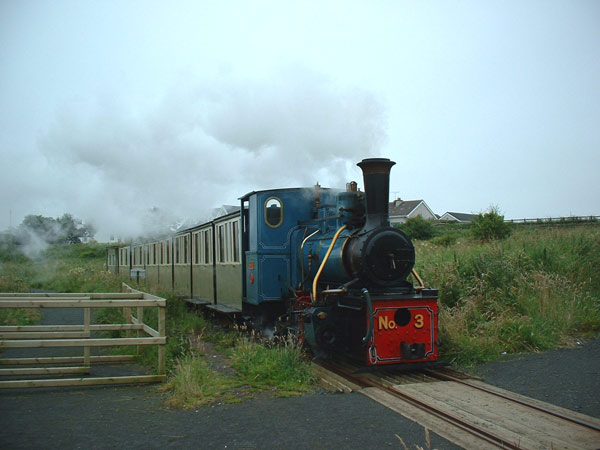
{"x":55,"y":336}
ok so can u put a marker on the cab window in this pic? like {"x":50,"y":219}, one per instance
{"x":273,"y":212}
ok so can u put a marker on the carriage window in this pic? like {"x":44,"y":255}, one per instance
{"x":273,"y":212}
{"x":186,"y":247}
{"x":207,"y":249}
{"x":221,"y":241}
{"x":236,"y":249}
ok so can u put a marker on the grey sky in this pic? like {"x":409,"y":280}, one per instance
{"x":110,"y":108}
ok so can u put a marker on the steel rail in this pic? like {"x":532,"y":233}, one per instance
{"x":560,"y":415}
{"x":428,"y":408}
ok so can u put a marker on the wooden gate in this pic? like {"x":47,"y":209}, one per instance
{"x":55,"y":336}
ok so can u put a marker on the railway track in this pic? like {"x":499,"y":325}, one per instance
{"x":467,"y":411}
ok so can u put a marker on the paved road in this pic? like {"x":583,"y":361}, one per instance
{"x":133,"y":416}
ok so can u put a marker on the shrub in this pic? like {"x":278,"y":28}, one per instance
{"x":417,"y":228}
{"x":445,"y":240}
{"x":490,"y":225}
{"x":10,"y":250}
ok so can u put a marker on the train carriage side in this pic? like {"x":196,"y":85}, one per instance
{"x":112,"y":259}
{"x":124,"y":261}
{"x":138,"y":268}
{"x":227,"y":260}
{"x":203,"y":282}
{"x":164,"y":263}
{"x":151,"y":266}
{"x":203,"y":262}
{"x":181,"y":263}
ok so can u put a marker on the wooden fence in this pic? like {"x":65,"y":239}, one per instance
{"x":42,"y":336}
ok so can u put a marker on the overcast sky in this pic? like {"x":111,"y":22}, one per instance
{"x":110,"y":108}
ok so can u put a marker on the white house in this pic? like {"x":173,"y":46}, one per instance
{"x":401,"y":210}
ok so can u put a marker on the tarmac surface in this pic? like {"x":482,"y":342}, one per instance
{"x":135,"y":417}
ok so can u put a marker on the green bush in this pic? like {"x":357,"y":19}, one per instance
{"x":490,"y":225}
{"x":445,"y":240}
{"x":417,"y":228}
{"x":10,"y":249}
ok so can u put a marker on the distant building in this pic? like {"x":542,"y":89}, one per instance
{"x":402,"y":210}
{"x":457,"y":217}
{"x":224,"y":211}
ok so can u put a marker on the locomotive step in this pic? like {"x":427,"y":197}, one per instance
{"x":223,"y":309}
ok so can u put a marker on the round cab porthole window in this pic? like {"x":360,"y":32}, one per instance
{"x":273,"y":212}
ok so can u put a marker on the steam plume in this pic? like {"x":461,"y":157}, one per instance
{"x":205,"y":143}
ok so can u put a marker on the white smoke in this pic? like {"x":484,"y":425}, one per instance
{"x":34,"y":245}
{"x":206,"y":143}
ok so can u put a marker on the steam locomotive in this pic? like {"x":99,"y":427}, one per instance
{"x":323,"y":264}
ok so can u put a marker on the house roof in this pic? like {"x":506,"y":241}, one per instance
{"x":461,"y":217}
{"x":403,"y":208}
{"x":224,"y":211}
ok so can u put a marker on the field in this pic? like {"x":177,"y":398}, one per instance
{"x":535,"y":290}
{"x":206,"y":363}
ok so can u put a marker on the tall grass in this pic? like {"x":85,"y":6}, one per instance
{"x":536,"y":290}
{"x":14,"y":277}
{"x":74,"y":268}
{"x":281,"y":367}
{"x":193,"y":383}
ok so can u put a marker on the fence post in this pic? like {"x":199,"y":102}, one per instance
{"x":140,"y":318}
{"x":127,"y":317}
{"x":161,"y":347}
{"x":86,"y":329}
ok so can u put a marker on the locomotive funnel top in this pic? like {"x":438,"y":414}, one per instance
{"x":376,"y":174}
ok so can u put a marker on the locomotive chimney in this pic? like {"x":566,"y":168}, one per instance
{"x":376,"y":174}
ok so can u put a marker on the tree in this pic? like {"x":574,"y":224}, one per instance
{"x":65,"y":229}
{"x":490,"y":225}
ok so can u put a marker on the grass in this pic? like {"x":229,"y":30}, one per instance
{"x":282,"y":368}
{"x":193,"y":383}
{"x":537,"y":290}
{"x":20,"y":316}
{"x":13,"y":278}
{"x":280,"y":371}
